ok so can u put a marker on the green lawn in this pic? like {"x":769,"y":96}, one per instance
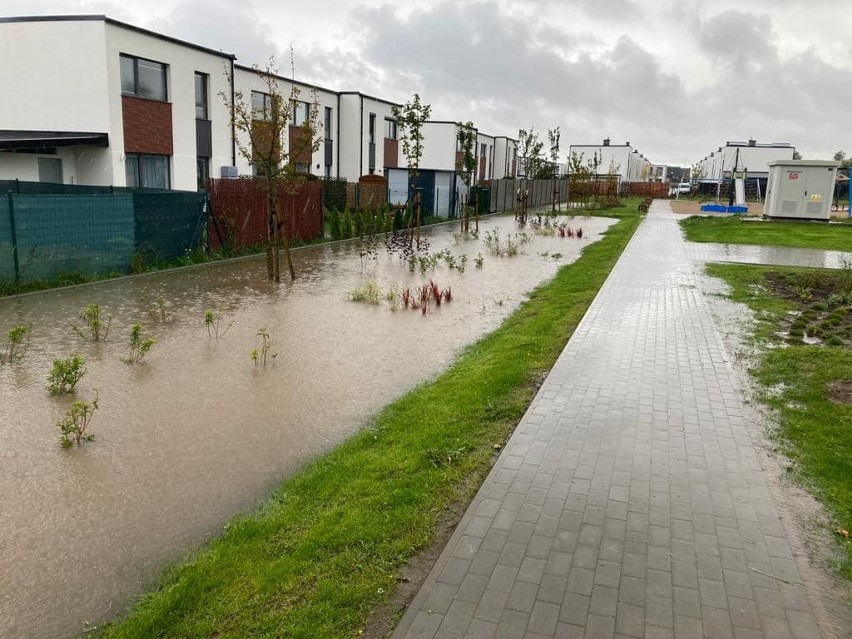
{"x":328,"y":545}
{"x":732,"y":230}
{"x":814,"y":432}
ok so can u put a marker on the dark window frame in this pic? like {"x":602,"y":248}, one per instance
{"x":391,"y":129}
{"x":136,"y":90}
{"x":205,"y":83}
{"x":140,"y":168}
{"x":265,"y":110}
{"x":327,"y":125}
{"x":300,"y":112}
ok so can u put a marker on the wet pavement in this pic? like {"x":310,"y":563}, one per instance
{"x":630,"y":501}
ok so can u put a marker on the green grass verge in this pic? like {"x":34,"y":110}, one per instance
{"x":814,"y":432}
{"x":327,"y":546}
{"x":731,"y":230}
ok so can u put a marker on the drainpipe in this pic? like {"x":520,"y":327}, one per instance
{"x":233,"y":125}
{"x":361,"y":141}
{"x":337,"y":133}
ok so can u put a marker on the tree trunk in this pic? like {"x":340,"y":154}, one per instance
{"x":417,"y":211}
{"x":286,"y":239}
{"x":276,"y":242}
{"x":270,"y":238}
{"x":476,"y":211}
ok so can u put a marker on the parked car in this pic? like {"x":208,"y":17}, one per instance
{"x":684,"y":188}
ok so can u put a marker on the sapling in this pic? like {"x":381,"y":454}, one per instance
{"x":98,"y":329}
{"x":139,"y":346}
{"x":65,"y":374}
{"x":16,"y":345}
{"x":75,"y":422}
{"x":212,"y":318}
{"x":260,"y":353}
{"x":155,"y":307}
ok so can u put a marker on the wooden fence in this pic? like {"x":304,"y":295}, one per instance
{"x":237,"y":213}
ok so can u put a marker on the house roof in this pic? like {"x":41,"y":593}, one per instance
{"x":11,"y":140}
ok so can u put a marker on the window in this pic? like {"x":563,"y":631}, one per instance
{"x":201,"y":81}
{"x":372,"y":129}
{"x":390,"y":129}
{"x":300,"y":112}
{"x":482,"y":148}
{"x":327,"y":127}
{"x":143,"y":78}
{"x":261,"y":105}
{"x":202,"y":172}
{"x":147,"y":171}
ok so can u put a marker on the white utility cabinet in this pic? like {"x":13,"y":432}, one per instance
{"x":800,"y":189}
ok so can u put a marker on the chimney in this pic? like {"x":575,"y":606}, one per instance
{"x":627,"y":143}
{"x":752,"y":142}
{"x":606,"y":141}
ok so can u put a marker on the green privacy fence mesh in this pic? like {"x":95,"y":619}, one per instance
{"x":92,"y":230}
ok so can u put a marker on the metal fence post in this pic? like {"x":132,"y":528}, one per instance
{"x":14,"y":233}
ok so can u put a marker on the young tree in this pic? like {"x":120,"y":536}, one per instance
{"x":553,"y":136}
{"x":530,"y":148}
{"x":466,"y":165}
{"x":578,"y":178}
{"x":410,"y":119}
{"x":261,"y":120}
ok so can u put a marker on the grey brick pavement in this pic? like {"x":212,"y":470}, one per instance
{"x":629,"y":502}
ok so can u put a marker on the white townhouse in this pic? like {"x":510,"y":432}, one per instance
{"x":102,"y":102}
{"x":622,"y":159}
{"x":368,"y":143}
{"x":505,"y":161}
{"x":253,"y":87}
{"x":748,"y":156}
{"x":91,"y":100}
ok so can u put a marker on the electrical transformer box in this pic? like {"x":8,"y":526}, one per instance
{"x":800,"y":189}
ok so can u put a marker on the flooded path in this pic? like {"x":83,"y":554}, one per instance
{"x":197,"y":433}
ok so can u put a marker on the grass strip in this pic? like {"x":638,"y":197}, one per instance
{"x":732,"y":230}
{"x":327,"y":546}
{"x":814,"y":432}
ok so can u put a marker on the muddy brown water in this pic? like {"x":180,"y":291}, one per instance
{"x":197,"y":433}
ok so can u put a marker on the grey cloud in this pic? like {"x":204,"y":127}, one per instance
{"x":742,"y":40}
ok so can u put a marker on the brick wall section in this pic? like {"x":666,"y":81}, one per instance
{"x":240,"y":210}
{"x":391,"y":153}
{"x":147,"y":126}
{"x":299,"y":148}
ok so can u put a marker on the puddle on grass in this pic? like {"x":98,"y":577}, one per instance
{"x":197,"y":432}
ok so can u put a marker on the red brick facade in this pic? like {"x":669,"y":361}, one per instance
{"x":147,"y":126}
{"x":391,"y":153}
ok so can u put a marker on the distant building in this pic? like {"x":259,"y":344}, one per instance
{"x":750,"y":157}
{"x":620,"y":159}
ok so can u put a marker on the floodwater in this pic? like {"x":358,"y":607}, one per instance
{"x":197,"y":432}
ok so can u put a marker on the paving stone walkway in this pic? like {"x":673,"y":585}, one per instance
{"x":629,"y":502}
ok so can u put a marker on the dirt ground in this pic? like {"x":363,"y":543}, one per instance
{"x":693,"y":207}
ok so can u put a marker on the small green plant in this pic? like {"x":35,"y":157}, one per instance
{"x":367,"y":292}
{"x":98,"y":329}
{"x":479,"y":260}
{"x":75,"y":423}
{"x":139,"y":346}
{"x":394,"y":297}
{"x":261,"y":352}
{"x":65,"y":374}
{"x":155,"y":307}
{"x":16,"y":345}
{"x":212,"y":319}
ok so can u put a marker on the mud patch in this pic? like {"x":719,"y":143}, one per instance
{"x":840,"y":391}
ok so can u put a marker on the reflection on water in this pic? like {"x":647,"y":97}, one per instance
{"x":197,"y":433}
{"x":775,"y":255}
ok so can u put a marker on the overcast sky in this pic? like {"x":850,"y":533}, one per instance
{"x":675,"y":78}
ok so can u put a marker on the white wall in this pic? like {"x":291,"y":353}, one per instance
{"x":53,"y":76}
{"x":382,"y":110}
{"x":24,"y":166}
{"x":439,"y":146}
{"x":183,"y":61}
{"x":350,"y":137}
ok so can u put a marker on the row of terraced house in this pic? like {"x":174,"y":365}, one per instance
{"x":102,"y":102}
